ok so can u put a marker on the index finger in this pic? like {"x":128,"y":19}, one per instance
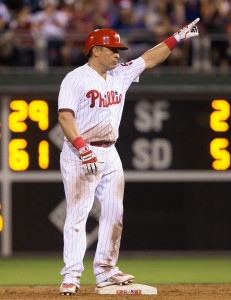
{"x":195,"y":21}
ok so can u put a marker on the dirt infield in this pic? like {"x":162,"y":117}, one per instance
{"x":165,"y":292}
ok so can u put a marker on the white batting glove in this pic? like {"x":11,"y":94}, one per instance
{"x":89,"y":161}
{"x":188,"y":31}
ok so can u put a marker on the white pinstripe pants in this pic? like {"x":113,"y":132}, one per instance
{"x":80,"y":191}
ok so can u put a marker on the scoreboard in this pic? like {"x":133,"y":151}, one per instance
{"x":30,"y":123}
{"x":164,"y":137}
{"x":162,"y":134}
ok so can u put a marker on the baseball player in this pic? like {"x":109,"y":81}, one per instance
{"x":90,"y":105}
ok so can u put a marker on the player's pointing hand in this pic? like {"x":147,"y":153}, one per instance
{"x":189,"y":30}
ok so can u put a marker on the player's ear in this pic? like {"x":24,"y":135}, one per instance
{"x":96,"y":50}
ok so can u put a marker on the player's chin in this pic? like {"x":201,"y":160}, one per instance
{"x":114,"y":64}
{"x":111,"y":67}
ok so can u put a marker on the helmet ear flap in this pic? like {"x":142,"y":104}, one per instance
{"x":103,"y":37}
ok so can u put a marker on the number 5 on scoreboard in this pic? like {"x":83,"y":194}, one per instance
{"x":218,"y":150}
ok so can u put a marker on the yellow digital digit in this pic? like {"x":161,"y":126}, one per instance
{"x":18,"y":157}
{"x":43,"y":154}
{"x":18,"y":116}
{"x":1,"y":223}
{"x":38,"y":112}
{"x":219,"y":152}
{"x":219,"y":117}
{"x":1,"y":220}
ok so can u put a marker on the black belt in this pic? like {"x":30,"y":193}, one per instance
{"x":103,"y":144}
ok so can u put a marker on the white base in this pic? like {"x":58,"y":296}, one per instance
{"x":132,"y":289}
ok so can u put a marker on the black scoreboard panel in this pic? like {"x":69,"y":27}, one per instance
{"x":33,"y":229}
{"x":163,"y":215}
{"x":1,"y":216}
{"x":38,"y":214}
{"x":159,"y":132}
{"x":0,"y":139}
{"x":177,"y":216}
{"x":162,"y":134}
{"x":155,"y":134}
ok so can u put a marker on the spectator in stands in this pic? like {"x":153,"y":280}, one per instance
{"x":215,"y":15}
{"x":5,"y":16}
{"x":163,"y":18}
{"x":14,"y":5}
{"x":192,"y":9}
{"x":51,"y":24}
{"x":228,"y":29}
{"x":126,"y":21}
{"x":83,"y":16}
{"x":157,"y":20}
{"x":33,"y":4}
{"x":176,"y":13}
{"x":22,"y":39}
{"x":128,"y":24}
{"x":6,"y":49}
{"x":141,"y":23}
{"x":81,"y":21}
{"x":104,"y":14}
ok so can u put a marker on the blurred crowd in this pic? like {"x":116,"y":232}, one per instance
{"x":64,"y":25}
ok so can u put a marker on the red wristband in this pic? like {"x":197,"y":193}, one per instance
{"x":79,"y":142}
{"x":171,"y":42}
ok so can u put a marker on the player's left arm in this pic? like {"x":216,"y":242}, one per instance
{"x":70,"y":129}
{"x":160,"y":53}
{"x":67,"y":123}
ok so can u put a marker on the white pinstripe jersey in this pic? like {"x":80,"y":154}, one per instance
{"x":98,"y":103}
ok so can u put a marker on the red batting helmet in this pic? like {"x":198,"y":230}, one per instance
{"x":103,"y":37}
